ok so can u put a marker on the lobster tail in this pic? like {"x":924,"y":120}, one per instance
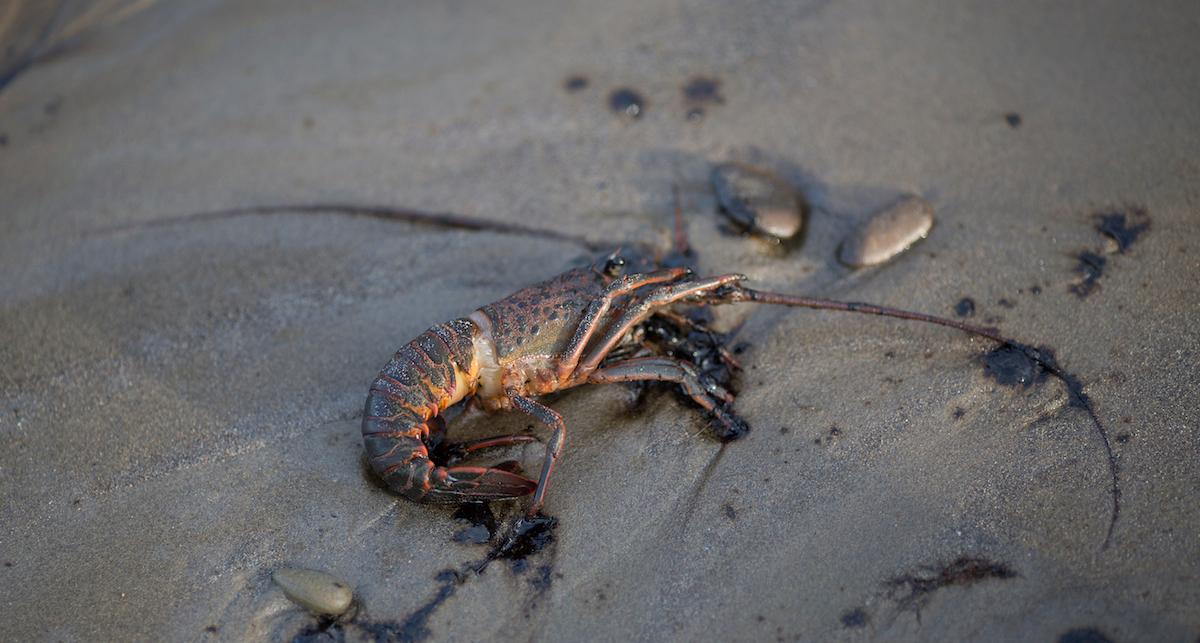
{"x":424,"y":378}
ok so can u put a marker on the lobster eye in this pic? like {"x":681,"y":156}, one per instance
{"x":614,"y":266}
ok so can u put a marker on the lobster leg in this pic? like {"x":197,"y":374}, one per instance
{"x":470,"y":484}
{"x":453,"y":452}
{"x":552,"y":419}
{"x":711,"y":397}
{"x":638,"y":311}
{"x":587,"y":327}
{"x":492,"y":443}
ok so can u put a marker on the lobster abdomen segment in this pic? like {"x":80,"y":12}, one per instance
{"x":424,"y":378}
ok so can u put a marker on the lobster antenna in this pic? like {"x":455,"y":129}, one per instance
{"x":1042,"y":357}
{"x":872,"y":309}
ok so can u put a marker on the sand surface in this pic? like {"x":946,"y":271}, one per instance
{"x":182,"y":397}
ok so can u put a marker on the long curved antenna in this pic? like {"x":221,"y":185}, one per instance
{"x":758,"y":296}
{"x":1042,"y":356}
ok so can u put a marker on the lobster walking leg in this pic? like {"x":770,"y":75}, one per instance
{"x":711,"y":397}
{"x":639,"y":311}
{"x":455,"y":451}
{"x":552,"y":419}
{"x":494,"y":442}
{"x":597,"y":309}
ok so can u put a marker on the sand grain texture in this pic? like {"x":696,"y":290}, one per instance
{"x":181,"y":403}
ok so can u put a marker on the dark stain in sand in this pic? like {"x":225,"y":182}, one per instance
{"x":543,"y":578}
{"x":854,"y":618}
{"x":1122,"y":228}
{"x":627,"y":102}
{"x":1090,"y":269}
{"x":699,"y":93}
{"x":703,"y":90}
{"x":528,"y":536}
{"x":1010,"y":366}
{"x":1117,"y":226}
{"x":482,"y":523}
{"x":965,"y":307}
{"x":1013,"y":119}
{"x":414,"y":628}
{"x":1083,"y":635}
{"x":912,"y":591}
{"x":575,"y":83}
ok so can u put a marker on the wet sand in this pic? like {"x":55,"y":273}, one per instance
{"x":182,"y":395}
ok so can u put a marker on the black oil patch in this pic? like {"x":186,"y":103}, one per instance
{"x":416,"y":626}
{"x":542,"y":578}
{"x":529,"y":535}
{"x":1090,"y":268}
{"x":482,"y":523}
{"x":575,"y":83}
{"x":412,"y":629}
{"x":1123,"y":228}
{"x":1083,"y":635}
{"x":1010,"y":366}
{"x":855,"y":618}
{"x":627,"y":102}
{"x":703,"y":90}
{"x":965,"y":307}
{"x":323,"y":629}
{"x":699,"y":93}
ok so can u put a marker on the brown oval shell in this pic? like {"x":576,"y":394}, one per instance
{"x":758,"y":200}
{"x":888,"y":233}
